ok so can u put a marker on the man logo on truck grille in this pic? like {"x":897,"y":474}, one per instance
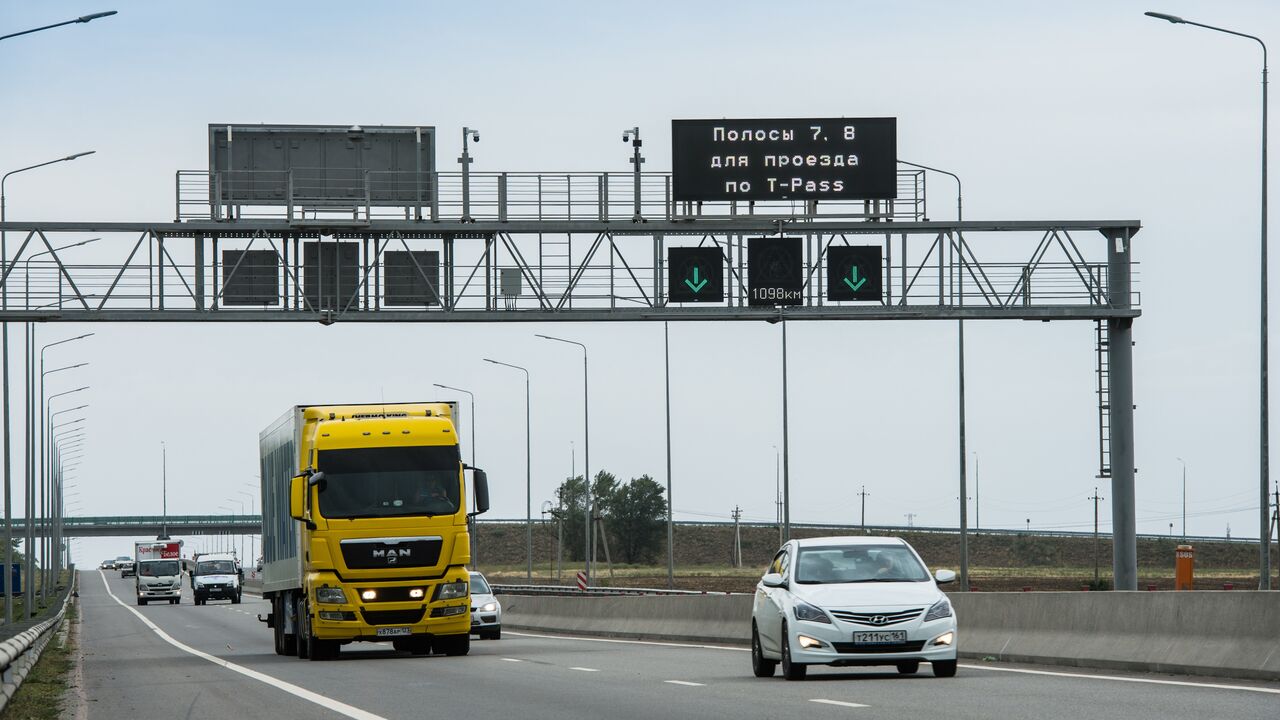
{"x":393,"y":555}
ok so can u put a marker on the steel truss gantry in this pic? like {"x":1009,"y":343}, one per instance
{"x":597,"y":269}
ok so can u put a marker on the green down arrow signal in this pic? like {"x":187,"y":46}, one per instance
{"x":852,"y":281}
{"x":696,"y":285}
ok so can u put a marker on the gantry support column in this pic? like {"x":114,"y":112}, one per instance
{"x":1120,"y":361}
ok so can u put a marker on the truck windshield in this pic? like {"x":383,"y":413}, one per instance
{"x":158,"y":568}
{"x":390,"y":481}
{"x":216,"y":567}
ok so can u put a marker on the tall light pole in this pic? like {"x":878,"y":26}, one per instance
{"x":164,"y":492}
{"x":44,"y":452}
{"x":586,"y":444}
{"x":964,"y":455}
{"x":4,"y":402}
{"x":47,"y":492}
{"x":81,"y":19}
{"x":528,"y":470}
{"x":471,"y":519}
{"x":666,"y":368}
{"x":1264,"y":460}
{"x":250,"y":556}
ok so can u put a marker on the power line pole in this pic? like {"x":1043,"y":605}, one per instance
{"x":911,"y":517}
{"x":864,"y":495}
{"x":737,"y":537}
{"x":1095,"y":498}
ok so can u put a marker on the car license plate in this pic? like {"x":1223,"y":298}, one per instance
{"x":880,"y":638}
{"x":393,"y":632}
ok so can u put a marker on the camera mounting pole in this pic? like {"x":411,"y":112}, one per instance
{"x":466,"y":160}
{"x":633,"y":136}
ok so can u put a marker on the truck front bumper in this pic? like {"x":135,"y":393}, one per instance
{"x":376,"y":621}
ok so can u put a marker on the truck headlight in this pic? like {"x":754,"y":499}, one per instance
{"x":331,"y":595}
{"x":940,"y":609}
{"x":450,"y":591}
{"x":805,"y":611}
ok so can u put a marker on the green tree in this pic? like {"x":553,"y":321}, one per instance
{"x":571,"y":500}
{"x":636,"y":513}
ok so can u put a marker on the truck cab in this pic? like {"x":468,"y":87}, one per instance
{"x":217,"y":576}
{"x":159,"y":571}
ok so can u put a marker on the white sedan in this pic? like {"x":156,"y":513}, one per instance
{"x":851,"y":601}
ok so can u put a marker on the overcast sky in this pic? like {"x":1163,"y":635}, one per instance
{"x":1083,"y":110}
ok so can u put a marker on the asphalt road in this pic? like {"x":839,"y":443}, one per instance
{"x":218,"y":663}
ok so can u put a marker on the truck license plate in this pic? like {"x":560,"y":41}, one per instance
{"x":880,"y":638}
{"x":393,"y":632}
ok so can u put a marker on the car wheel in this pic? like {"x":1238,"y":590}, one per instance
{"x":944,"y":668}
{"x":142,"y":601}
{"x":790,"y":670}
{"x":908,"y":668}
{"x":236,"y":600}
{"x":496,"y":634}
{"x":761,"y":666}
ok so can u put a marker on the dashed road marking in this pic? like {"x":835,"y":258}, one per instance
{"x":512,"y":660}
{"x":841,"y":703}
{"x":685,"y":683}
{"x":582,"y":669}
{"x":313,"y":697}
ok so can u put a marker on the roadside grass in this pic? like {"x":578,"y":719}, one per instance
{"x":43,"y":693}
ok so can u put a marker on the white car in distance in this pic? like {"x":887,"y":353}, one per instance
{"x":851,"y":601}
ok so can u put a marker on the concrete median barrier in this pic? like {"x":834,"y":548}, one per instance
{"x":1225,"y":634}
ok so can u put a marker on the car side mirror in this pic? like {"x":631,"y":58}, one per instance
{"x":944,"y":576}
{"x":773,"y":580}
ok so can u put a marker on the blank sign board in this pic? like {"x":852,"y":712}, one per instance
{"x":331,"y":274}
{"x":250,"y":277}
{"x":411,"y":277}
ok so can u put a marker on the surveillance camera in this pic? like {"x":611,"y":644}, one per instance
{"x":625,"y":137}
{"x":475,"y":137}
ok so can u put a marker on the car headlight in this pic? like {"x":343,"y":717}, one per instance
{"x":450,"y":591}
{"x":331,"y":595}
{"x":805,"y":611}
{"x":489,"y":607}
{"x":940,"y":609}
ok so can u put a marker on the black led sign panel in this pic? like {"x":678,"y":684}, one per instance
{"x":250,"y":277}
{"x":411,"y":278}
{"x":695,"y":274}
{"x":331,"y":274}
{"x":775,"y":271}
{"x":785,"y":159}
{"x":854,"y":272}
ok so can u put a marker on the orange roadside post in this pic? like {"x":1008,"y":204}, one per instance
{"x":1184,"y":568}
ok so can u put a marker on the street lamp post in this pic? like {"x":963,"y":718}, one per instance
{"x":1264,"y":460}
{"x":44,"y":479}
{"x":81,"y":19}
{"x":472,"y":525}
{"x":1184,"y":498}
{"x":964,"y":503}
{"x":252,"y":554}
{"x":4,"y":411}
{"x":586,"y":446}
{"x":164,"y":492}
{"x":528,"y":469}
{"x":49,"y":536}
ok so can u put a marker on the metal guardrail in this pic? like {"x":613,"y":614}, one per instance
{"x":21,"y":652}
{"x":573,"y":590}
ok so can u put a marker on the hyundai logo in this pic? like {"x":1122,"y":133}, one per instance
{"x":879,"y":619}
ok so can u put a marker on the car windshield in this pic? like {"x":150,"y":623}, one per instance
{"x":858,"y":563}
{"x":124,"y":558}
{"x":158,"y":568}
{"x":215,"y":567}
{"x":389,"y":481}
{"x":479,"y":586}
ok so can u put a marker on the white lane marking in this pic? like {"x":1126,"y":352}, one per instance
{"x":837,"y":702}
{"x":685,"y":683}
{"x":512,"y":660}
{"x":627,"y":642}
{"x":582,"y":669}
{"x":1117,"y":678}
{"x":321,"y":700}
{"x":1216,"y":686}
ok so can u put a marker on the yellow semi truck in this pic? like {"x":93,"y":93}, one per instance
{"x":364,"y":528}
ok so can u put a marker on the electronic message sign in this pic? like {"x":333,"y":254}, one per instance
{"x":854,"y":272}
{"x":695,"y":274}
{"x":775,"y":271}
{"x":785,"y":159}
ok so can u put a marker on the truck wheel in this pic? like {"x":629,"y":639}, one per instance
{"x":301,"y":630}
{"x":454,"y":645}
{"x":277,"y":627}
{"x":288,"y":643}
{"x":236,"y":600}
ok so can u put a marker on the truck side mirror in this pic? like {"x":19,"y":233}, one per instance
{"x":480,"y":481}
{"x":298,"y":497}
